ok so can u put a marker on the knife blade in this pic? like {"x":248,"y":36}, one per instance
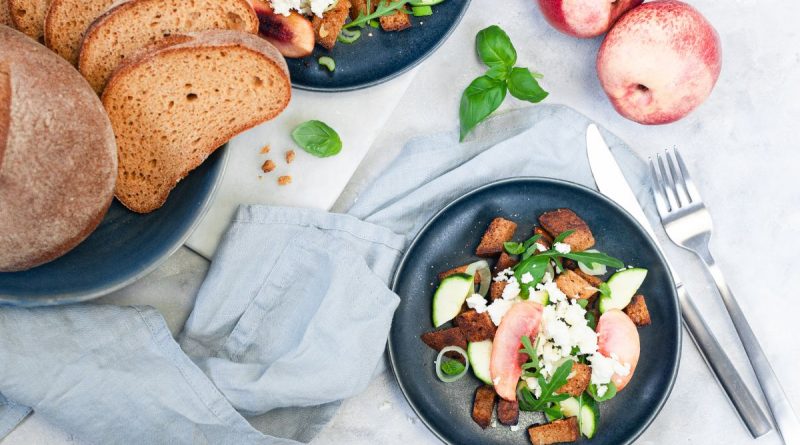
{"x":612,"y":183}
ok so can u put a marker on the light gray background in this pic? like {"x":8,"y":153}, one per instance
{"x":740,"y":146}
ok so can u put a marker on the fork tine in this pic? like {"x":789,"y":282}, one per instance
{"x":694,"y":195}
{"x":666,"y":182}
{"x":658,"y":190}
{"x":677,"y":179}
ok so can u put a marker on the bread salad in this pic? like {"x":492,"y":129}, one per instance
{"x":295,"y":26}
{"x":543,"y":329}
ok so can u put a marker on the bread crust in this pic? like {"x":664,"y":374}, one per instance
{"x":5,"y":14}
{"x":52,"y":25}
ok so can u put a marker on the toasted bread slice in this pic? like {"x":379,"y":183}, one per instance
{"x":5,"y":14}
{"x":328,"y":27}
{"x":66,"y":21}
{"x":173,"y":105}
{"x":129,"y":26}
{"x":397,"y":21}
{"x":28,"y":16}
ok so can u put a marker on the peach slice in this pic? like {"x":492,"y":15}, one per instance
{"x":616,"y":334}
{"x":293,"y":35}
{"x":506,"y":362}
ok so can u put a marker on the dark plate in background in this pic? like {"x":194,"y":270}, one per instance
{"x":449,"y":240}
{"x":383,"y":56}
{"x":125,"y":247}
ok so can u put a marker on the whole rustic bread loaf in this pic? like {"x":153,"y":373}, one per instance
{"x":28,"y":16}
{"x":67,"y":20}
{"x":134,"y":24}
{"x":174,"y":104}
{"x":5,"y":13}
{"x":58,"y":159}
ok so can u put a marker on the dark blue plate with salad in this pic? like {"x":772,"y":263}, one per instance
{"x":535,"y":310}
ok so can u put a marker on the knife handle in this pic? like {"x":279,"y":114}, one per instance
{"x":722,"y":368}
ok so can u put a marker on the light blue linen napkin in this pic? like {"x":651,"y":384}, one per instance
{"x":292,"y":317}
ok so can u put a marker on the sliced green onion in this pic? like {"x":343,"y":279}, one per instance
{"x":424,"y":2}
{"x":349,"y":35}
{"x":447,"y":378}
{"x":327,"y":62}
{"x":374,"y":23}
{"x":421,"y":11}
{"x":594,"y":268}
{"x":482,"y":269}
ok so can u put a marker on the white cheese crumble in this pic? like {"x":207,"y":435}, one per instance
{"x":563,"y":248}
{"x":504,"y":275}
{"x":540,"y":247}
{"x":477,"y":302}
{"x":533,"y":385}
{"x":526,"y":278}
{"x":602,"y":390}
{"x":604,"y":368}
{"x":305,"y":7}
{"x":497,"y":310}
{"x":512,"y":290}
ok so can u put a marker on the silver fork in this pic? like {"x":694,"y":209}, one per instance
{"x":688,"y":224}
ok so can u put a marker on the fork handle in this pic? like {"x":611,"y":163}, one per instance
{"x":778,"y":402}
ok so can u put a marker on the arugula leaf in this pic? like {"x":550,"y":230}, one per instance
{"x":452,"y":367}
{"x":382,"y":9}
{"x":527,"y":401}
{"x":495,"y":48}
{"x":610,"y":392}
{"x":533,"y":357}
{"x":605,"y":291}
{"x":594,"y":257}
{"x":523,"y":85}
{"x":480,"y":99}
{"x":513,"y":248}
{"x":317,"y":138}
{"x":562,"y":236}
{"x":591,"y":321}
{"x":554,"y":413}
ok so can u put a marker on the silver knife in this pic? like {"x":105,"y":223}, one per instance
{"x":611,"y":182}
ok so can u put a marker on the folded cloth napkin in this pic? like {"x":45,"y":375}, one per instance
{"x":292,"y":317}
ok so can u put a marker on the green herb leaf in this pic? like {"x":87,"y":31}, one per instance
{"x":452,"y":367}
{"x":382,"y":9}
{"x":317,"y":138}
{"x":610,"y":392}
{"x":495,"y":48}
{"x":583,"y":303}
{"x":523,"y":85}
{"x":562,"y":236}
{"x":553,"y":413}
{"x":480,"y":99}
{"x":594,"y":257}
{"x":591,"y":321}
{"x":536,"y":265}
{"x":605,"y":291}
{"x":513,"y":248}
{"x":527,"y":402}
{"x":498,"y":72}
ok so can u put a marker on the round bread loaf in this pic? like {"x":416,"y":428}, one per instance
{"x":58,"y":157}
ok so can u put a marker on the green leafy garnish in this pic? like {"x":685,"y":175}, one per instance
{"x":609,"y":394}
{"x":605,"y":291}
{"x":562,"y":236}
{"x":554,"y":413}
{"x":533,"y":357}
{"x":382,"y":9}
{"x":528,"y":402}
{"x":452,"y":367}
{"x":486,"y":93}
{"x":317,"y":138}
{"x":513,"y":248}
{"x":594,"y":258}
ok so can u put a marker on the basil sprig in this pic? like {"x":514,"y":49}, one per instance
{"x":317,"y":138}
{"x":486,"y":93}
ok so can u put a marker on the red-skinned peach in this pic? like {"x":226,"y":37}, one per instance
{"x":293,"y":35}
{"x":505,"y":365}
{"x":617,"y":335}
{"x":584,"y":18}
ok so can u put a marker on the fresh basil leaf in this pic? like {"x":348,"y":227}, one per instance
{"x":498,"y":72}
{"x":317,"y":138}
{"x":594,"y":257}
{"x":562,"y":236}
{"x":609,"y":394}
{"x":480,"y":99}
{"x":513,"y":248}
{"x":523,"y":86}
{"x":535,"y":265}
{"x":495,"y":48}
{"x":554,"y":413}
{"x":531,"y":241}
{"x":452,"y":367}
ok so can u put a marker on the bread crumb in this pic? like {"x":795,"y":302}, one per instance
{"x":268,"y":166}
{"x":289,"y":156}
{"x":265,"y":149}
{"x":284,"y":180}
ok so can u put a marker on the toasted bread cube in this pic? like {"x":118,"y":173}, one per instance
{"x":476,"y":327}
{"x":507,"y":412}
{"x":561,"y":220}
{"x":500,"y":231}
{"x":581,"y":374}
{"x":574,"y":286}
{"x":359,"y":7}
{"x":504,"y":262}
{"x":637,"y":311}
{"x":459,"y":269}
{"x":328,"y":27}
{"x":483,"y":406}
{"x":496,"y":290}
{"x":442,"y":338}
{"x":397,"y":21}
{"x":557,"y":431}
{"x":546,"y":240}
{"x":591,"y":279}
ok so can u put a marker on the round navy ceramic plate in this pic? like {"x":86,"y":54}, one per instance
{"x":449,"y":240}
{"x":376,"y":58}
{"x":125,"y":247}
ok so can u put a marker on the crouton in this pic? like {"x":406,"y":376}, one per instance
{"x":359,"y":7}
{"x":442,"y":338}
{"x":557,"y":431}
{"x":496,"y":290}
{"x":396,"y":21}
{"x":507,"y":412}
{"x":637,"y":311}
{"x":327,"y":27}
{"x":500,"y":231}
{"x":570,"y":264}
{"x":459,"y":269}
{"x":574,"y":286}
{"x":546,"y":240}
{"x":476,"y":327}
{"x":483,"y":406}
{"x":561,"y":220}
{"x":504,"y":262}
{"x":577,"y":384}
{"x":591,"y":279}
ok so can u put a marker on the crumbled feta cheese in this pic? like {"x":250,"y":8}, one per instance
{"x":533,"y":386}
{"x":602,"y":390}
{"x":604,"y":368}
{"x":562,"y":248}
{"x":563,"y":329}
{"x":306,"y":7}
{"x":498,"y":309}
{"x":540,"y":247}
{"x":477,"y":302}
{"x":526,"y":278}
{"x":504,"y":275}
{"x":512,"y":290}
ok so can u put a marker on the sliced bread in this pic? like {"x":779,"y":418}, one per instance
{"x":134,"y":24}
{"x":66,"y":21}
{"x":5,"y":14}
{"x":172,"y":105}
{"x":28,"y":16}
{"x":58,"y":158}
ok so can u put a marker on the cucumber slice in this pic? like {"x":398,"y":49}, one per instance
{"x":480,"y":354}
{"x":570,"y":407}
{"x":589,"y":417}
{"x":450,"y":296}
{"x":595,"y":269}
{"x":540,"y":296}
{"x":622,"y":285}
